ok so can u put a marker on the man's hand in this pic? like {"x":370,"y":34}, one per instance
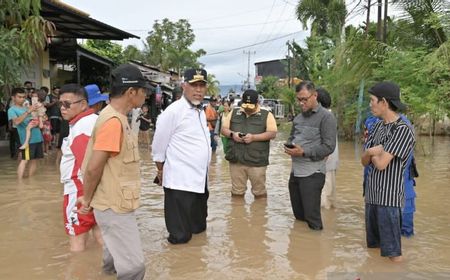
{"x":248,"y":138}
{"x":33,"y":108}
{"x":237,"y":138}
{"x":297,"y":151}
{"x":84,"y":206}
{"x":159,"y":176}
{"x":33,"y":123}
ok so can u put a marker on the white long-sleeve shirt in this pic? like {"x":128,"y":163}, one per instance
{"x":182,"y":142}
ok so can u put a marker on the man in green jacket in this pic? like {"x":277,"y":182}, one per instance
{"x":250,"y":129}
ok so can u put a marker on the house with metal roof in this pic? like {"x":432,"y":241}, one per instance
{"x":63,"y":60}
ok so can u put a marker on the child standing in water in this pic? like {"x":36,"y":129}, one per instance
{"x":36,"y":119}
{"x":144,"y":126}
{"x":46,"y":132}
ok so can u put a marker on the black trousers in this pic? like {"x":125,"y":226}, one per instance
{"x":185,"y":213}
{"x":305,"y":195}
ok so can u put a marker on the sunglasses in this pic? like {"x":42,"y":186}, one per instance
{"x":67,"y":104}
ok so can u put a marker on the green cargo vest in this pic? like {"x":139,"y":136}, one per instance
{"x":253,"y":154}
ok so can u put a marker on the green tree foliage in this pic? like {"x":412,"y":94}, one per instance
{"x":168,"y":46}
{"x":213,"y":86}
{"x":429,"y":19}
{"x":106,"y":48}
{"x":288,"y":96}
{"x":415,"y":55}
{"x":269,"y":87}
{"x":23,"y":33}
{"x":424,"y":79}
{"x":327,"y":17}
{"x":132,"y":53}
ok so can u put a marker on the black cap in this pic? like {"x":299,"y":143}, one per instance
{"x":195,"y":75}
{"x":127,"y":75}
{"x":388,"y":91}
{"x":250,"y":96}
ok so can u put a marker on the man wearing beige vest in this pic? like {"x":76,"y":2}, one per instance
{"x":111,"y":175}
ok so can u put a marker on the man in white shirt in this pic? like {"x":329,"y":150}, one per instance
{"x":181,"y":151}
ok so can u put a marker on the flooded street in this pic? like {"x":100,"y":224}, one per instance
{"x":245,"y":239}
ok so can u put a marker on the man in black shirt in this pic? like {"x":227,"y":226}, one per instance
{"x":54,"y":113}
{"x":387,"y":151}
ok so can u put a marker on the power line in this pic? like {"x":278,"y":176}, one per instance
{"x":222,"y":27}
{"x":287,"y":2}
{"x":255,"y":44}
{"x":243,"y":25}
{"x":233,"y":14}
{"x":273,"y":29}
{"x":267,"y":19}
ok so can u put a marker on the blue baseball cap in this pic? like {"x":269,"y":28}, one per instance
{"x":94,"y":94}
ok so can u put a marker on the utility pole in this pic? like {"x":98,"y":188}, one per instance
{"x":379,"y":21}
{"x":248,"y":67}
{"x":368,"y":18}
{"x":289,"y":63}
{"x":386,"y":4}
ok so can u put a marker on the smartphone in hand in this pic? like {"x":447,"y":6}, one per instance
{"x":156,"y":180}
{"x":242,"y":134}
{"x":289,"y":145}
{"x":34,"y":100}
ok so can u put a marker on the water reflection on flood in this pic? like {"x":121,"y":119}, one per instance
{"x":245,"y":239}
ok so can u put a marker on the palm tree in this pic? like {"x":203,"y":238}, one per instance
{"x":428,"y":17}
{"x":327,"y":16}
{"x":213,"y":85}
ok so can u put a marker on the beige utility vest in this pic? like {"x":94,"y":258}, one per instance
{"x":120,"y":186}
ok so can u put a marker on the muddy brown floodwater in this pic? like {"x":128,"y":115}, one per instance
{"x":245,"y":239}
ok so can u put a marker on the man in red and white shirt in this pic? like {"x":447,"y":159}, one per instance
{"x":75,"y":109}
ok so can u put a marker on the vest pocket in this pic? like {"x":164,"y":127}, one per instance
{"x":130,"y":193}
{"x":132,"y":152}
{"x":255,"y":154}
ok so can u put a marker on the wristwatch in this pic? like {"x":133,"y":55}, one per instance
{"x":231,"y":135}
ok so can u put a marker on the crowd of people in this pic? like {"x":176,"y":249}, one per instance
{"x":34,"y":124}
{"x":100,"y":159}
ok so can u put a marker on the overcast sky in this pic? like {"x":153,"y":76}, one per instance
{"x":219,"y":27}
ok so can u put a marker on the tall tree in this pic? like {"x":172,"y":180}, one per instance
{"x":132,"y":53}
{"x":327,"y":17}
{"x":168,"y":45}
{"x":213,"y":86}
{"x":23,"y":34}
{"x":429,"y":17}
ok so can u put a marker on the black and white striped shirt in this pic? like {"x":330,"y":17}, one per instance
{"x":385,"y":187}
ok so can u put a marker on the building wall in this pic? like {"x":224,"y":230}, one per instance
{"x":275,"y":68}
{"x":39,"y":71}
